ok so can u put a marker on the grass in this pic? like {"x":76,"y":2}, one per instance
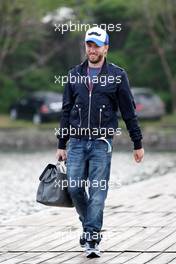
{"x":167,"y":122}
{"x":6,"y":122}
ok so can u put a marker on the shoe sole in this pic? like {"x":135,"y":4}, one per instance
{"x":93,"y":255}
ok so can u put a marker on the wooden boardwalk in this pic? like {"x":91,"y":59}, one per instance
{"x":139,"y":227}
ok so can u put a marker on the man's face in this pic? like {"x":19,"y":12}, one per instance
{"x":95,"y":53}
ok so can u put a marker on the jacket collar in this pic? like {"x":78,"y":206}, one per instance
{"x":83,"y":68}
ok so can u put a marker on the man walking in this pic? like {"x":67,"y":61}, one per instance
{"x":94,"y":92}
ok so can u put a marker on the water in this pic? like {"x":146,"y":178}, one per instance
{"x":19,"y":175}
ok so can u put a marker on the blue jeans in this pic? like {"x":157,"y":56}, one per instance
{"x":88,"y":172}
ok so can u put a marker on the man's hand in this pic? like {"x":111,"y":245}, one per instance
{"x":61,"y":154}
{"x":138,"y":154}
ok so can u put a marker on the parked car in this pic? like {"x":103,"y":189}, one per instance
{"x":148,"y":104}
{"x":38,"y":107}
{"x":45,"y":106}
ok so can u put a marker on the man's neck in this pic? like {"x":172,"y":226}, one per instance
{"x":96,"y":65}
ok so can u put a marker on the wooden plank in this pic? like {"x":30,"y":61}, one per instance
{"x":126,"y":257}
{"x":105,"y":258}
{"x":125,"y":245}
{"x":164,"y":258}
{"x":116,"y":241}
{"x":20,"y":235}
{"x":64,"y":257}
{"x":165,"y":243}
{"x":7,"y":256}
{"x":155,"y":238}
{"x":150,"y":203}
{"x":13,"y":243}
{"x":30,"y":258}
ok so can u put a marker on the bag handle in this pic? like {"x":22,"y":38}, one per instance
{"x":61,"y":165}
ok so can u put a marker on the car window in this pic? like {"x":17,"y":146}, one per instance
{"x":142,"y":97}
{"x":146,"y":95}
{"x":24,"y":100}
{"x":53,"y":99}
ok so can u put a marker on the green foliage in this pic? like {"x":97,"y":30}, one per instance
{"x":39,"y":79}
{"x":166,"y":97}
{"x":9,"y":92}
{"x":26,"y":63}
{"x":119,"y":58}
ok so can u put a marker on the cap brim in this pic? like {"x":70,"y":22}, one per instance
{"x":96,"y":41}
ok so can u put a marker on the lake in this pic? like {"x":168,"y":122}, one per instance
{"x":20,"y":172}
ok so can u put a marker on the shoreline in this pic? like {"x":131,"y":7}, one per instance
{"x":32,"y":139}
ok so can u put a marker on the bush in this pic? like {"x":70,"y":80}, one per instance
{"x":40,"y":79}
{"x":9,"y":93}
{"x":167,"y":98}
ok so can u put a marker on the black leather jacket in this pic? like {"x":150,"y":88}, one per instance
{"x":96,"y":110}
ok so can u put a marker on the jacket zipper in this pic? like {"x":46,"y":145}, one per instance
{"x":90,"y":95}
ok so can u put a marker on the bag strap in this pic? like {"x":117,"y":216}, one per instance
{"x":61,"y":165}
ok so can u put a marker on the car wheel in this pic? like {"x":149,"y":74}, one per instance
{"x":13,"y":114}
{"x":36,"y":119}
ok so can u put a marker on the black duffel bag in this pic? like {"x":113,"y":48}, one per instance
{"x":52,"y":189}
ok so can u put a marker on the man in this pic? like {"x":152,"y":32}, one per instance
{"x":94,"y":92}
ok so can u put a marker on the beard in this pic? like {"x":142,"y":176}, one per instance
{"x":94,"y":59}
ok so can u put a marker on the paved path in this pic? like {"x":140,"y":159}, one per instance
{"x":139,"y":227}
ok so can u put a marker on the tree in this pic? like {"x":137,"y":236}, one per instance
{"x":157,"y":21}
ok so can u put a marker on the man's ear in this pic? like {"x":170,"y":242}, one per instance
{"x":107,"y":47}
{"x":106,"y":50}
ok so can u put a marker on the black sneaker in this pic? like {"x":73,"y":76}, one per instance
{"x":82,"y":242}
{"x":92,"y":249}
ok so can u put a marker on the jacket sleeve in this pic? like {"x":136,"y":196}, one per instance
{"x":67,"y":105}
{"x":127,"y":108}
